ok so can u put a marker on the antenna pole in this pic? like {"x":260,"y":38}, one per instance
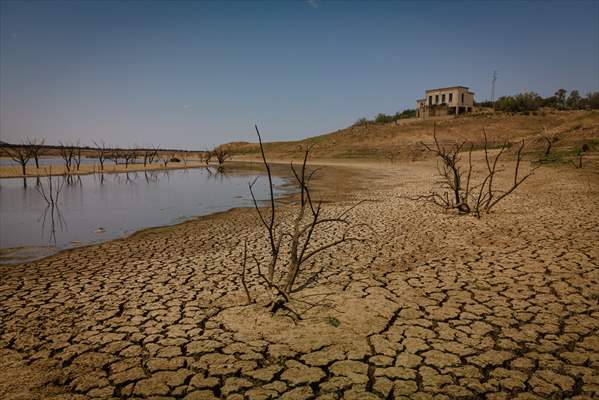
{"x":493,"y":86}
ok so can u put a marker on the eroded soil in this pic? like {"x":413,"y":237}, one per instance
{"x":435,"y":306}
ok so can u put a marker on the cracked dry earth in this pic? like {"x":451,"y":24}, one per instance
{"x":437,"y":307}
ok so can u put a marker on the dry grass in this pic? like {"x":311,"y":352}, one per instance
{"x":374,"y":142}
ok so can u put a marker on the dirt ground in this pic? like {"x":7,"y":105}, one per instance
{"x":435,"y":306}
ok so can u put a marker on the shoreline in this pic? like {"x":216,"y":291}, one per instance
{"x":17,"y":256}
{"x":14,"y":171}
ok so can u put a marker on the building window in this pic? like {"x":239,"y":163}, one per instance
{"x":443,"y":98}
{"x":436,"y":99}
{"x":450,"y":97}
{"x":430,"y":100}
{"x":462,"y":97}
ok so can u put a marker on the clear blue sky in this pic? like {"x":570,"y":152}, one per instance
{"x":194,"y":74}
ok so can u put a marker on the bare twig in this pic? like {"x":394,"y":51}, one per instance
{"x":468,"y":198}
{"x":296,"y":234}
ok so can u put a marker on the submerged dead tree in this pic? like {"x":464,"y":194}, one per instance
{"x":51,"y":194}
{"x":77,"y":156}
{"x":150,"y":155}
{"x":21,"y":154}
{"x":101,"y":153}
{"x":221,"y":154}
{"x":130,"y":156}
{"x":295,"y":236}
{"x":67,"y":152}
{"x":456,"y":189}
{"x":36,"y":147}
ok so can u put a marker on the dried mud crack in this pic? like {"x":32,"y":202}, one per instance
{"x":440,"y":307}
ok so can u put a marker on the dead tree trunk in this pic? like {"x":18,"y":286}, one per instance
{"x":308,"y":220}
{"x":21,"y":154}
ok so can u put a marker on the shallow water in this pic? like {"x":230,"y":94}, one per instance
{"x":92,"y":209}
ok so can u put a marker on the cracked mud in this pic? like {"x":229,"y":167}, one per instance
{"x":438,"y":307}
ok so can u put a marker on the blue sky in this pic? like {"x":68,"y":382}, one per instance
{"x":194,"y":74}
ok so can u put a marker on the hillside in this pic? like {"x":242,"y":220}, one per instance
{"x":376,"y":142}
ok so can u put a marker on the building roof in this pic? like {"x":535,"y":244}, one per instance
{"x":445,"y":88}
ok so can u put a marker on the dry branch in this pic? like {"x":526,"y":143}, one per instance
{"x":295,"y":235}
{"x":457,"y":191}
{"x":19,"y":154}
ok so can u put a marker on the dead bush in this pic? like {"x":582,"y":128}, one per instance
{"x":455,"y":189}
{"x":291,"y":238}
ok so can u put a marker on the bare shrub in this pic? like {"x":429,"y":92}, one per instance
{"x":457,"y":191}
{"x":549,"y":138}
{"x":283,"y":267}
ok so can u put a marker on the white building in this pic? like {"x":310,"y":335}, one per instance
{"x":445,"y":101}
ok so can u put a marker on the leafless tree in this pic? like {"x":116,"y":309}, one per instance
{"x":20,"y":154}
{"x":115,"y":156}
{"x":150,"y":155}
{"x":166,"y":158}
{"x":221,"y":154}
{"x":101,"y":153}
{"x":77,"y":156}
{"x":36,"y":147}
{"x":67,"y":152}
{"x":129,"y":155}
{"x":206,"y":156}
{"x":455,"y":181}
{"x":51,"y":194}
{"x":295,"y":236}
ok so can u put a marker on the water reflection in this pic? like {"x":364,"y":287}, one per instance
{"x":89,"y":208}
{"x":50,"y":192}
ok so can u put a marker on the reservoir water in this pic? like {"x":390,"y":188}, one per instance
{"x":93,"y":208}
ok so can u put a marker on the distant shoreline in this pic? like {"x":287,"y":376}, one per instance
{"x":14,"y":171}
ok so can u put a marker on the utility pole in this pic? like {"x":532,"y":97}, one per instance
{"x":493,"y":86}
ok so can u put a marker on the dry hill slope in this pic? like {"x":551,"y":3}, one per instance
{"x":374,"y":141}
